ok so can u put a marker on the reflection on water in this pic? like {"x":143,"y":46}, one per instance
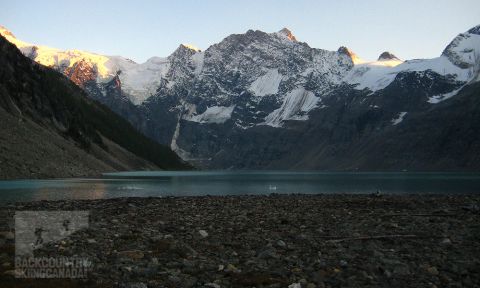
{"x":196,"y":183}
{"x":76,"y":190}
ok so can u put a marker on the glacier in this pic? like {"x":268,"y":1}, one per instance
{"x":266,"y":84}
{"x":295,"y":106}
{"x":214,"y":114}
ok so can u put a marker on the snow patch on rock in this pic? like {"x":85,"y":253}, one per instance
{"x":295,"y":106}
{"x":399,"y":118}
{"x":376,"y":75}
{"x":442,"y":97}
{"x":214,"y":114}
{"x":198,"y":60}
{"x":139,"y":81}
{"x":266,"y":84}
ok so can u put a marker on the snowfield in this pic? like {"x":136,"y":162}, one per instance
{"x":266,"y":84}
{"x":296,"y":106}
{"x":214,"y":114}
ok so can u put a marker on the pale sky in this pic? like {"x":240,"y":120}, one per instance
{"x":141,"y":29}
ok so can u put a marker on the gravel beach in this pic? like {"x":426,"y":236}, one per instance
{"x":292,"y":241}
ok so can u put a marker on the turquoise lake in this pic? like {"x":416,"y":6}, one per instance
{"x":199,"y":183}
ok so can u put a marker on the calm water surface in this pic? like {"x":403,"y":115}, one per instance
{"x":197,"y":183}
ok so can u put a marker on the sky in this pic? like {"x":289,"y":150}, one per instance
{"x":141,"y":29}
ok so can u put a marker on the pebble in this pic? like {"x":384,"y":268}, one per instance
{"x":246,"y":242}
{"x":401,"y":270}
{"x":134,"y":285}
{"x":133,"y":254}
{"x":432,"y":270}
{"x":203,"y":233}
{"x":281,"y":244}
{"x":446,"y":241}
{"x":232,"y":268}
{"x":296,"y":270}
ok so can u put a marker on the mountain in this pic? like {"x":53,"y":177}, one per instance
{"x":267,"y":100}
{"x":50,"y":128}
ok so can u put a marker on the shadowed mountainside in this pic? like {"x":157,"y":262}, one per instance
{"x":49,"y":128}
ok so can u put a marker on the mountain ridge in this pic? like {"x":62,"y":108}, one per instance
{"x":211,"y":105}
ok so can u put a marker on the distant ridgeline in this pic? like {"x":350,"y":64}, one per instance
{"x":49,"y":128}
{"x":267,"y":101}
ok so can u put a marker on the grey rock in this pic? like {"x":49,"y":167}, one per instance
{"x":401,"y":270}
{"x":203,"y":233}
{"x":281,"y":244}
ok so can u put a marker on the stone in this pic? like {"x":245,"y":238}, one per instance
{"x":401,"y":270}
{"x":232,"y":268}
{"x":296,"y":270}
{"x":188,"y":260}
{"x":189,"y":281}
{"x":446,"y":242}
{"x":203,"y":233}
{"x":432,"y":270}
{"x":132,"y":254}
{"x":134,"y":285}
{"x":281,"y":244}
{"x":212,"y":285}
{"x":295,"y":285}
{"x":378,"y":254}
{"x":387,"y":273}
{"x":269,"y":252}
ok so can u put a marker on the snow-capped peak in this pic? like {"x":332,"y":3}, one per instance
{"x":460,"y":59}
{"x":12,"y":39}
{"x":464,"y":50}
{"x":5,"y":32}
{"x":387,"y":56}
{"x":475,"y":30}
{"x":190,"y":46}
{"x":286,"y":33}
{"x":351,"y":54}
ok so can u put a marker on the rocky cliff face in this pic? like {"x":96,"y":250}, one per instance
{"x":267,"y":100}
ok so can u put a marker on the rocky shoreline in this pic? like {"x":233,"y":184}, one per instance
{"x":264,"y":241}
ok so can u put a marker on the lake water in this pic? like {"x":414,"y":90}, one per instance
{"x":197,"y":183}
